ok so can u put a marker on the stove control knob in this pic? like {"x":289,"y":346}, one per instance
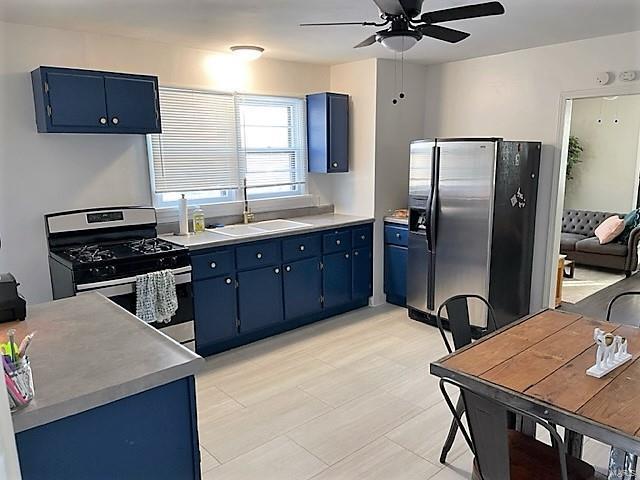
{"x":111,"y":269}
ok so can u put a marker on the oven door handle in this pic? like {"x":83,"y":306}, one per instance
{"x":122,"y":286}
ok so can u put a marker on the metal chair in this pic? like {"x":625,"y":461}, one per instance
{"x":615,"y":299}
{"x":504,"y":454}
{"x":460,"y":326}
{"x":619,"y":460}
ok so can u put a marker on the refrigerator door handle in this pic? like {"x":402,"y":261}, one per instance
{"x":429,"y":213}
{"x":433,"y":206}
{"x":432,"y":230}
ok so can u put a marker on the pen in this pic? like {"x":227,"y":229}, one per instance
{"x":26,"y":341}
{"x":12,"y":338}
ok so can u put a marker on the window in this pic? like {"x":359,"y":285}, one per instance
{"x":211,"y":142}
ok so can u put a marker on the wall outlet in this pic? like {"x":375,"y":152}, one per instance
{"x":604,"y":78}
{"x":628,"y":76}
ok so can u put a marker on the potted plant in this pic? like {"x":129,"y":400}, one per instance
{"x":573,"y":157}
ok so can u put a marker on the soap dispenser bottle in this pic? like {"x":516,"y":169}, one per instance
{"x":198,"y":220}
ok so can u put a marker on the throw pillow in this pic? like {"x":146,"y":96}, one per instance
{"x":609,"y":229}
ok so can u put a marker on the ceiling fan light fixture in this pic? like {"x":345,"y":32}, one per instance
{"x":399,"y":43}
{"x":247,"y":52}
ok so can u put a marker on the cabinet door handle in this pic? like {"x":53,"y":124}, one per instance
{"x":346,"y":255}
{"x":103,"y":120}
{"x":362,"y":237}
{"x":356,"y":253}
{"x":302,"y":248}
{"x":334,"y":164}
{"x":228,"y":281}
{"x":288,"y":268}
{"x":258,"y":255}
{"x":276,"y":270}
{"x":398,"y":235}
{"x":213,"y":265}
{"x":338,"y":242}
{"x":115,"y":120}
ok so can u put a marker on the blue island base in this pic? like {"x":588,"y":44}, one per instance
{"x":152,"y":434}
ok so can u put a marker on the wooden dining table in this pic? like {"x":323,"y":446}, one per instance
{"x":538,"y":364}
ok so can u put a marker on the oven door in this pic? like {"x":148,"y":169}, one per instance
{"x":123,"y":292}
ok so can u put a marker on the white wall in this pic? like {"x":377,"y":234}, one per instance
{"x":607,"y":178}
{"x":517,"y":95}
{"x":396,"y":126}
{"x":353,"y":191}
{"x":42,"y":173}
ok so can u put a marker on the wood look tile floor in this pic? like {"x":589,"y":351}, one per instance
{"x":343,"y":399}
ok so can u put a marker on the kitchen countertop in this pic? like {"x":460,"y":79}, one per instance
{"x":88,"y":352}
{"x":398,"y":220}
{"x":211,"y":239}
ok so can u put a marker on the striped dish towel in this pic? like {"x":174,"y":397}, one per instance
{"x":156,"y":299}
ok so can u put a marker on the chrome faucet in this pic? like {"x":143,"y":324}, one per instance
{"x":247,"y":215}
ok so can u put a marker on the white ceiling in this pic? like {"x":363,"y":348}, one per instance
{"x":273,"y":24}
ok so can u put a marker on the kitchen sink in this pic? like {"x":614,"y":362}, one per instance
{"x":259,"y":228}
{"x":278,"y":225}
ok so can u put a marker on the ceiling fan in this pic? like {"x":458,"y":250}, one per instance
{"x":406,"y":25}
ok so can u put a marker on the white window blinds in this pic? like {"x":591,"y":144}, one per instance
{"x":212,"y":141}
{"x":198,"y":147}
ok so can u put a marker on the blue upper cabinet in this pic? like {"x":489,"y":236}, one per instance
{"x":328,"y":132}
{"x":84,"y":101}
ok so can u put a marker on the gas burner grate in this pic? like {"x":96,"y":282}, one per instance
{"x":151,"y":245}
{"x":90,"y":253}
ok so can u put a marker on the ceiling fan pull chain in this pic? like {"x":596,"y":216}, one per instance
{"x":401,"y":95}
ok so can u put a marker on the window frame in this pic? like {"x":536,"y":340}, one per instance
{"x":234,"y":195}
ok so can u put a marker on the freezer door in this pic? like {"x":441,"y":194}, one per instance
{"x":463,"y":234}
{"x":420,"y":168}
{"x":420,"y":257}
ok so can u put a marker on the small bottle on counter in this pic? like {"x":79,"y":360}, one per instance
{"x":198,"y":220}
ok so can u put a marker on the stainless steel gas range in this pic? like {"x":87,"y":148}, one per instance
{"x":104,"y":249}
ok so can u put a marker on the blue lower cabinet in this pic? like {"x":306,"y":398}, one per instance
{"x":302,"y":288}
{"x":395,"y":274}
{"x":215,"y":310}
{"x":256,"y":289}
{"x":153,"y":434}
{"x":260,"y":298}
{"x":361,"y":273}
{"x":336,"y":279}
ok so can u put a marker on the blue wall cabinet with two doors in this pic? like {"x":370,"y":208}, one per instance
{"x":253,"y":290}
{"x":395,"y":263}
{"x":328,"y":132}
{"x":86,"y":101}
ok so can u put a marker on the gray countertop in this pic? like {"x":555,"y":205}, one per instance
{"x":88,"y":352}
{"x":398,"y":220}
{"x":210,"y":239}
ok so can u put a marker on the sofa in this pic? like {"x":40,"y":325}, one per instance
{"x":579,"y":243}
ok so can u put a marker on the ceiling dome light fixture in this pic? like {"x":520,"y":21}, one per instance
{"x":247,"y":52}
{"x":399,"y":41}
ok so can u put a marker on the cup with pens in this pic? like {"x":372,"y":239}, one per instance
{"x":17,"y":370}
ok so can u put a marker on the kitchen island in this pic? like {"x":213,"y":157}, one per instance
{"x":114,"y":397}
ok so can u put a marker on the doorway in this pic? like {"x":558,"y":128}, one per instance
{"x":599,"y":179}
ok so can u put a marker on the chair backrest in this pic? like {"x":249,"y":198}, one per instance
{"x":458,"y":318}
{"x":615,"y":300}
{"x":488,"y":432}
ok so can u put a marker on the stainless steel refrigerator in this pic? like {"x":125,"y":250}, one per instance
{"x":472,"y":208}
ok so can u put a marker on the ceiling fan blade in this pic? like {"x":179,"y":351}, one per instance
{"x":461,"y":13}
{"x":442,"y":33}
{"x":329,"y":24}
{"x":368,"y":41}
{"x":392,"y":7}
